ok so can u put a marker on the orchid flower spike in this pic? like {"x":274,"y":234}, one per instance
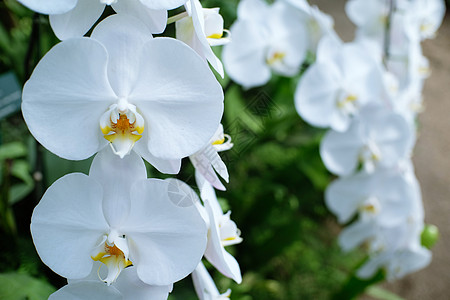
{"x":154,"y":96}
{"x":118,"y":217}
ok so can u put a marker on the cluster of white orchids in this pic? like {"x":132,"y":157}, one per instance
{"x":128,"y":97}
{"x":368,"y":93}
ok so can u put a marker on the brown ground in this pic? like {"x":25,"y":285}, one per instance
{"x":431,"y":158}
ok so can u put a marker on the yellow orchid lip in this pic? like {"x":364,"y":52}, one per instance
{"x":276,"y":57}
{"x":114,"y":259}
{"x":122,"y":127}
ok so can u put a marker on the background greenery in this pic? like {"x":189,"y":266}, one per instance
{"x":275,"y":192}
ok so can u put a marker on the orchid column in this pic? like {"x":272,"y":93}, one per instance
{"x":128,"y":96}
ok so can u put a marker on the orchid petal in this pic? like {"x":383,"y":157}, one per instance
{"x":67,"y":224}
{"x":244,"y":58}
{"x":116,"y":175}
{"x":86,"y":290}
{"x":49,"y":7}
{"x":345,"y":195}
{"x":198,"y":20}
{"x":78,"y":21}
{"x":163,"y":4}
{"x":156,"y":20}
{"x":123,"y":36}
{"x":129,"y":285}
{"x":355,"y":234}
{"x":70,"y":80}
{"x":166,"y":166}
{"x":179,"y":97}
{"x":216,"y":254}
{"x":340,"y":151}
{"x":167,"y":233}
{"x":315,"y":105}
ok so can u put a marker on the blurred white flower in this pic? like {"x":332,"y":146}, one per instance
{"x":342,"y":80}
{"x":378,"y":137}
{"x":265,"y":38}
{"x":384,"y":196}
{"x":424,"y":17}
{"x":119,"y":218}
{"x":122,"y":87}
{"x":317,"y":23}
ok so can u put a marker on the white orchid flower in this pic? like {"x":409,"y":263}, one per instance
{"x":201,"y":28}
{"x":205,"y":287}
{"x":378,"y":137}
{"x":128,"y":286}
{"x":265,"y":38}
{"x":317,"y":23}
{"x":342,"y":80}
{"x":155,"y":96}
{"x":222,"y":232}
{"x":397,"y":264}
{"x":424,"y":17}
{"x":119,"y":218}
{"x":207,"y":161}
{"x":383,"y":194}
{"x":73,"y":18}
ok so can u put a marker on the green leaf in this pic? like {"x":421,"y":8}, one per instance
{"x":15,"y":286}
{"x":382,"y":294}
{"x":12,"y":150}
{"x":21,"y":170}
{"x":19,"y":191}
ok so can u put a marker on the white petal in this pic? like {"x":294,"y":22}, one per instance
{"x":132,"y":288}
{"x":345,"y":195}
{"x":252,"y":9}
{"x":244,"y":58}
{"x":166,"y":166}
{"x":179,"y":97}
{"x":340,"y":151}
{"x":355,"y":234}
{"x":78,"y":21}
{"x":86,"y":290}
{"x":156,"y":20}
{"x":207,"y":193}
{"x":117,"y":175}
{"x":215,"y":253}
{"x":370,"y":267}
{"x":167,"y":233}
{"x":198,"y":20}
{"x":67,"y":224}
{"x":207,"y":161}
{"x":203,"y":283}
{"x":163,"y":4}
{"x":317,"y":94}
{"x":123,"y":36}
{"x":69,"y":81}
{"x":49,"y":7}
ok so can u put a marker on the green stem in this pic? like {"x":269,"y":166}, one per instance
{"x":355,"y":286}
